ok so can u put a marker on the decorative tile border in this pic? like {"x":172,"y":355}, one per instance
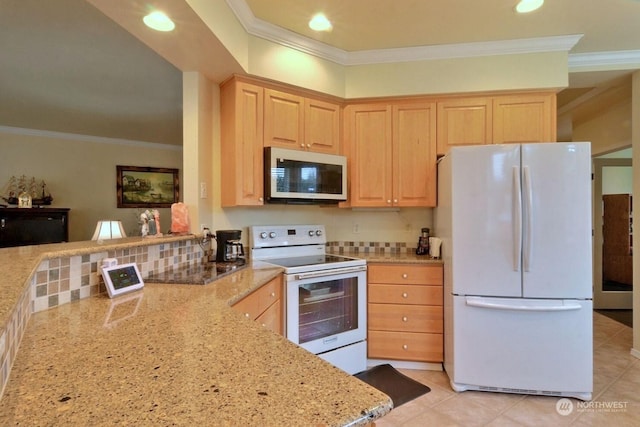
{"x":58,"y":281}
{"x":370,"y":247}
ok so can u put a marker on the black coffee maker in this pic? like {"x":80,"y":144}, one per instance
{"x":229,"y":247}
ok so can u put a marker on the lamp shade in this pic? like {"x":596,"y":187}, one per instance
{"x":107,"y":229}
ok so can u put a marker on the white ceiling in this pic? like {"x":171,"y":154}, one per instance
{"x":68,"y":67}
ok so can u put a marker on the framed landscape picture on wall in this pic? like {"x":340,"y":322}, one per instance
{"x":147,"y":187}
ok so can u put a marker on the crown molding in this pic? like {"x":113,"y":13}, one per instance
{"x":273,"y":33}
{"x":87,"y":138}
{"x":621,"y":59}
{"x":465,"y":50}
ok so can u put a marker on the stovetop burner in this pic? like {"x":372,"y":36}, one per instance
{"x":201,"y":274}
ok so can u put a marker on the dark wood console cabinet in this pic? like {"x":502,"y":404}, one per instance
{"x":33,"y":226}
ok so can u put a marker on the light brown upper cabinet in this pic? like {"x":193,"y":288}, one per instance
{"x":241,"y":118}
{"x":255,"y":114}
{"x":464,"y":121}
{"x":322,"y":126}
{"x":301,"y":123}
{"x":498,"y":119}
{"x":524,"y":118}
{"x":283,"y":120}
{"x":392,"y":154}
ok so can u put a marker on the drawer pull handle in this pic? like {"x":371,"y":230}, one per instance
{"x":405,"y":347}
{"x":405,"y":295}
{"x":405,"y":319}
{"x":405,"y":275}
{"x":273,"y":294}
{"x":247,"y":315}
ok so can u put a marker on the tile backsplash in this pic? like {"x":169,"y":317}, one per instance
{"x":61,"y":280}
{"x":370,"y":247}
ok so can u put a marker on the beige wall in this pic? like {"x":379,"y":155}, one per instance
{"x":500,"y":72}
{"x":277,"y":62}
{"x":80,"y":173}
{"x":609,"y":131}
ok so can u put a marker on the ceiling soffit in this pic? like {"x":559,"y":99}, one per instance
{"x":629,"y":59}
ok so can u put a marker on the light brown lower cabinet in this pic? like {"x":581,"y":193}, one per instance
{"x":405,"y":312}
{"x":264,"y":305}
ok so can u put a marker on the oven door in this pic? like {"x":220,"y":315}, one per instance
{"x":327,"y":309}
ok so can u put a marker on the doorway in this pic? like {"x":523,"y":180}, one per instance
{"x":612,"y":262}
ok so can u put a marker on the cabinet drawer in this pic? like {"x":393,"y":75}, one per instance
{"x":421,"y":347}
{"x":258,"y":301}
{"x":268,"y":294}
{"x":406,"y":318}
{"x":405,"y":274}
{"x":272,"y":318}
{"x":404,"y":294}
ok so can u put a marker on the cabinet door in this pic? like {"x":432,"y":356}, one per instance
{"x":524,"y":118}
{"x":369,"y":140}
{"x":464,"y":121}
{"x":283,"y":120}
{"x":414,"y":155}
{"x":321,"y":126}
{"x":241,"y":116}
{"x":271,"y":318}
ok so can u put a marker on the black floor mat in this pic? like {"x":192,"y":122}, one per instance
{"x":400,"y":388}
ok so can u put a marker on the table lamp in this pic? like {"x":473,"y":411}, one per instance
{"x":107,"y":229}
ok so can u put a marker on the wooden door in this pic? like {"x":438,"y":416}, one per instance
{"x":369,"y":139}
{"x":283,"y":120}
{"x":321,"y":126}
{"x":524,"y":118}
{"x":414,"y":155}
{"x":464,"y":121}
{"x":241,"y":116}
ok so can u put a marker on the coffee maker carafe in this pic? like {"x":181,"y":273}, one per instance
{"x":229,"y":247}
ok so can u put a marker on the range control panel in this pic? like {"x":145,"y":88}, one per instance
{"x":265,"y":236}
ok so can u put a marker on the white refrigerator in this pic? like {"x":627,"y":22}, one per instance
{"x":515,"y":224}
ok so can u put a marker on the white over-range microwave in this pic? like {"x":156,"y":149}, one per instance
{"x":304,"y":177}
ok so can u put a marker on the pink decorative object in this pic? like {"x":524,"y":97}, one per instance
{"x":156,"y":217}
{"x":179,"y":218}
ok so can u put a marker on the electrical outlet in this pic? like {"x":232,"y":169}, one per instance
{"x":356,"y":228}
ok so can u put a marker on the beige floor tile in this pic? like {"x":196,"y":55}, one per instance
{"x":616,"y":379}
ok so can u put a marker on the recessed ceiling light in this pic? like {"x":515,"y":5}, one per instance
{"x":526,"y":6}
{"x":159,"y":21}
{"x":319,"y":22}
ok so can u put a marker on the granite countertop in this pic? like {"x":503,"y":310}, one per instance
{"x":17,"y":264}
{"x":176,"y":355}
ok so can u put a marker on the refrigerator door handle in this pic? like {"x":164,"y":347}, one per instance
{"x":528,"y":220}
{"x":517,"y":217}
{"x":516,"y":306}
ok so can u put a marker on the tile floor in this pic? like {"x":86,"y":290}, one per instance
{"x":616,"y":396}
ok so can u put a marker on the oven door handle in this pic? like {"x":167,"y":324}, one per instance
{"x":330,"y":272}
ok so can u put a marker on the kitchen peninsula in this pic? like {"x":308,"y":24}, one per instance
{"x":167,"y":355}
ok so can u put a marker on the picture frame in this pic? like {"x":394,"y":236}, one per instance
{"x":147,"y":187}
